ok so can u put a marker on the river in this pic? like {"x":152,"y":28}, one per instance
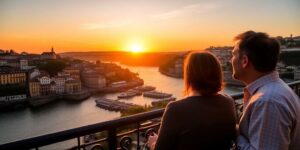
{"x":63,"y":115}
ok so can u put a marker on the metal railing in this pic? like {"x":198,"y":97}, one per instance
{"x":115,"y":139}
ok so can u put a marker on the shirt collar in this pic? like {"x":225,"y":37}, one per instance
{"x":252,"y":87}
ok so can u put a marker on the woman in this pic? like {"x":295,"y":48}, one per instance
{"x":204,"y":119}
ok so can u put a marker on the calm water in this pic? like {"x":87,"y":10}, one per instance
{"x":62,"y":115}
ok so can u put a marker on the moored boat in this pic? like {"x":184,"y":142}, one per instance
{"x":156,"y":94}
{"x":112,"y":105}
{"x":127,"y":94}
{"x":145,"y":88}
{"x":163,"y":100}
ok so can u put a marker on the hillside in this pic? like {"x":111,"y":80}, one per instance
{"x":128,"y":58}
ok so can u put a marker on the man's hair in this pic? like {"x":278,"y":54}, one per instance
{"x":262,"y":50}
{"x":202,"y":73}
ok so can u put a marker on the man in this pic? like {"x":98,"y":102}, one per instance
{"x":271,"y":113}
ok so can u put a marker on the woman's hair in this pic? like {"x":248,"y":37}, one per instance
{"x":202,"y":73}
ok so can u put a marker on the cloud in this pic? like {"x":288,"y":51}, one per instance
{"x":189,"y":9}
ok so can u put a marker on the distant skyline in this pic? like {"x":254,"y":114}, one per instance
{"x":139,"y":25}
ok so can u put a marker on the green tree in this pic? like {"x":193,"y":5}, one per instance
{"x":135,"y":110}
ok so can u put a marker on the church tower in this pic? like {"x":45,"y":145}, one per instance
{"x":52,"y":49}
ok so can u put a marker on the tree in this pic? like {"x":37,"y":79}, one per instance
{"x":52,"y":66}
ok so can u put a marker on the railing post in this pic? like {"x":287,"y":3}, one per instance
{"x":138,"y":136}
{"x":112,"y":139}
{"x":78,"y":142}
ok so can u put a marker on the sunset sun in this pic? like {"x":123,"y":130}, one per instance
{"x":136,"y":48}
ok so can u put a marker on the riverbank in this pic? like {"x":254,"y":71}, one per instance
{"x":72,"y":97}
{"x":42,"y":100}
{"x":170,"y":74}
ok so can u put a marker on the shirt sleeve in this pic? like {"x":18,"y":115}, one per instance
{"x":168,"y":130}
{"x":269,"y":128}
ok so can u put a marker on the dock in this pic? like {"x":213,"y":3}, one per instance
{"x":163,"y":100}
{"x":156,"y":94}
{"x":145,"y":88}
{"x":129,"y":93}
{"x":113,"y":105}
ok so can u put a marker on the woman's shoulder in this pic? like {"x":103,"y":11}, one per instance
{"x":178,"y":103}
{"x":184,"y":102}
{"x":217,"y":96}
{"x":187,"y":101}
{"x":225,"y":96}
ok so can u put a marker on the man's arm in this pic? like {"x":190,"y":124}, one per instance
{"x":269,"y":128}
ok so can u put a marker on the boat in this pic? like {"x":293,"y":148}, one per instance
{"x":156,"y":94}
{"x":169,"y":99}
{"x":113,"y":105}
{"x":135,"y":91}
{"x":145,"y":88}
{"x":129,"y":93}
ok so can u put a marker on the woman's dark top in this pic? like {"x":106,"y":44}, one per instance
{"x":198,"y":122}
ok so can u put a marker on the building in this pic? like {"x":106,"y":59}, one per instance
{"x":13,"y":85}
{"x":93,"y":80}
{"x":14,"y":63}
{"x":44,"y":80}
{"x":73,"y":72}
{"x":3,"y":62}
{"x":52,"y":87}
{"x":59,"y":84}
{"x":73,"y":86}
{"x":179,"y":66}
{"x":49,"y":55}
{"x":10,"y":75}
{"x":34,"y":73}
{"x":34,"y":87}
{"x":45,"y":89}
{"x":222,"y":53}
{"x":24,"y":64}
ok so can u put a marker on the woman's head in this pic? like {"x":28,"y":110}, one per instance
{"x":202,"y":73}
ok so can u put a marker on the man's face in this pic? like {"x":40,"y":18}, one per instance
{"x":236,"y":63}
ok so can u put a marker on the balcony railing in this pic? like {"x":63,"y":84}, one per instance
{"x":140,"y":126}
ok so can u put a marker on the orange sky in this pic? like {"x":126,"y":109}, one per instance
{"x":94,"y":25}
